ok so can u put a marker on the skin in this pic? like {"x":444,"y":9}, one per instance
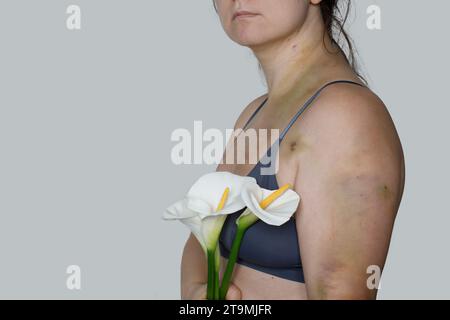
{"x":343,"y":157}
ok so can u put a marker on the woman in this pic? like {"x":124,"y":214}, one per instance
{"x":340,"y":151}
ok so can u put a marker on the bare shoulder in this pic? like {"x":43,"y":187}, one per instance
{"x":353,"y":106}
{"x":354,"y":117}
{"x":354,"y":136}
{"x":248,"y":111}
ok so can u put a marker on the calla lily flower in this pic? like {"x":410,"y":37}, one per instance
{"x":204,"y":210}
{"x":272,"y":207}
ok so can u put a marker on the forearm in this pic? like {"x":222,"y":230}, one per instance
{"x":193,"y":266}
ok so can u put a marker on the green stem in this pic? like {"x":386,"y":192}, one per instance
{"x":211,"y":275}
{"x":231,"y":262}
{"x":216,"y":274}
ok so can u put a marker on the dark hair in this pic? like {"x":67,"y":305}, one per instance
{"x":335,"y":14}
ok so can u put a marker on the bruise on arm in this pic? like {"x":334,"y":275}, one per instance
{"x":345,"y":221}
{"x":347,"y":231}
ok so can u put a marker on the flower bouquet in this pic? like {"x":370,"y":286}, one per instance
{"x":215,"y":195}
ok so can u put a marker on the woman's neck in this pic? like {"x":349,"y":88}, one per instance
{"x":299,"y":59}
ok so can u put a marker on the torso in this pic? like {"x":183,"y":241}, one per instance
{"x":257,"y":285}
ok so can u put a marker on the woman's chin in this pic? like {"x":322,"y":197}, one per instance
{"x":248,"y":41}
{"x":252,"y":38}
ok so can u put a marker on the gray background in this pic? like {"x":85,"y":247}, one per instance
{"x":85,"y":124}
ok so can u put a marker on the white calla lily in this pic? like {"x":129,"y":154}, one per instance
{"x":204,"y":210}
{"x":277,"y":213}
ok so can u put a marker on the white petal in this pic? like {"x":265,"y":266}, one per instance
{"x":178,"y":210}
{"x":211,"y":228}
{"x":211,"y":186}
{"x":233,"y":206}
{"x":204,"y":210}
{"x":278,"y":212}
{"x":287,"y":203}
{"x":195,"y":224}
{"x":200,"y":206}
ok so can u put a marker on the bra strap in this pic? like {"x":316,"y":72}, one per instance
{"x":256,"y":111}
{"x":309,"y":101}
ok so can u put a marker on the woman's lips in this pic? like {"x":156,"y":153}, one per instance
{"x":243,"y":14}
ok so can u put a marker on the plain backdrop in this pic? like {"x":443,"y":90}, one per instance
{"x":86,"y":118}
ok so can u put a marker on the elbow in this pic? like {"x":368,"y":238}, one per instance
{"x":343,"y":295}
{"x":341,"y":290}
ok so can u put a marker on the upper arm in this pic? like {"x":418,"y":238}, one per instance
{"x":350,"y":189}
